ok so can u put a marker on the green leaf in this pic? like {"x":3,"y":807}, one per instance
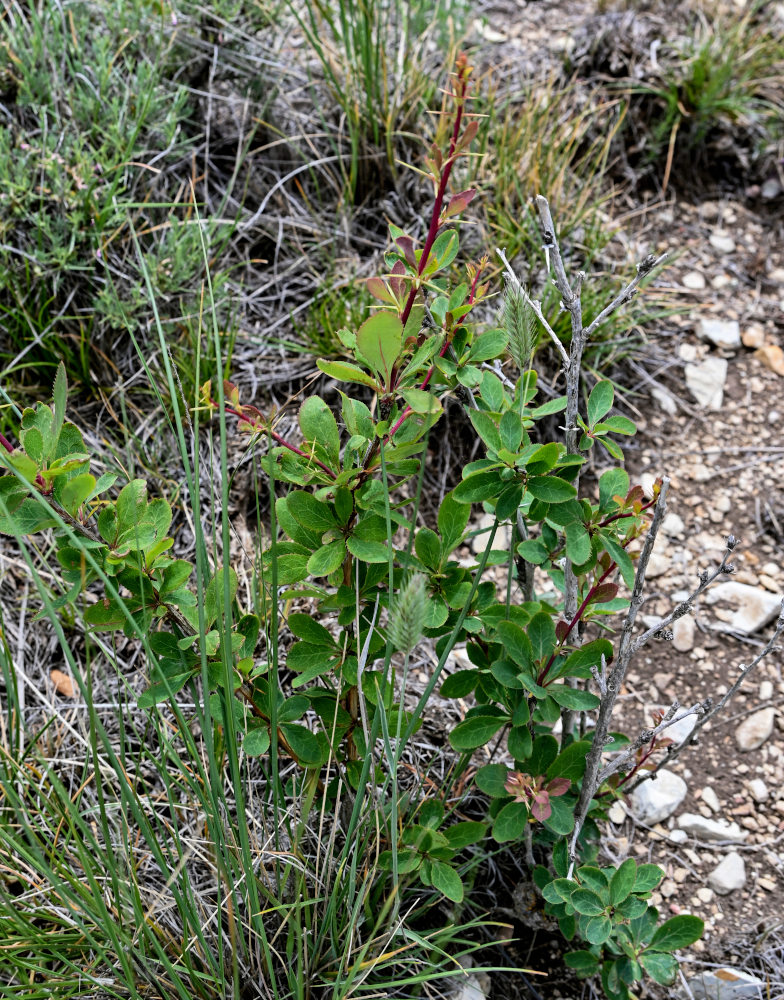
{"x":428,"y":548}
{"x":131,"y":504}
{"x":648,"y":877}
{"x":677,"y":932}
{"x":59,"y":396}
{"x":486,"y":428}
{"x":519,"y":742}
{"x":489,"y":345}
{"x":309,"y":512}
{"x":587,"y":903}
{"x":613,"y":482}
{"x":573,"y":698}
{"x":511,"y":430}
{"x":421,"y":401}
{"x":480,"y":486}
{"x":319,"y":426}
{"x":622,"y":882}
{"x":616,"y":425}
{"x":620,"y":556}
{"x":307,"y":628}
{"x":459,"y":684}
{"x":559,"y":890}
{"x":311,"y":660}
{"x":452,"y":522}
{"x":553,"y":406}
{"x":462,"y":834}
{"x":368,"y":551}
{"x":578,"y":543}
{"x":257,"y":741}
{"x":510,"y":822}
{"x":597,"y":930}
{"x":516,"y":643}
{"x":593,"y":878}
{"x":28,"y":517}
{"x":550,"y":489}
{"x":491,"y":779}
{"x":541,"y":633}
{"x":584,"y":963}
{"x":447,"y":881}
{"x":492,"y":391}
{"x":545,"y":751}
{"x":327,"y":559}
{"x":600,"y":401}
{"x":561,"y":819}
{"x":379,"y":340}
{"x":533,"y":551}
{"x":570,"y":763}
{"x":343,"y":371}
{"x":578,"y":663}
{"x":214,"y":595}
{"x":443,"y":252}
{"x":475,"y":732}
{"x":75,"y":491}
{"x":303,"y":743}
{"x":660,"y":967}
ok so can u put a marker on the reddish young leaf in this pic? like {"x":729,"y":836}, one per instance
{"x":558,"y":787}
{"x":604,"y":592}
{"x":561,"y":630}
{"x":379,"y":289}
{"x":459,"y":202}
{"x":396,"y":283}
{"x":231,"y":392}
{"x":541,"y":808}
{"x":406,"y":246}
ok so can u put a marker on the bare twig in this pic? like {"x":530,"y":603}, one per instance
{"x":616,"y":677}
{"x":674,"y":751}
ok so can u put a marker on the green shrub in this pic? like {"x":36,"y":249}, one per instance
{"x":330,"y":740}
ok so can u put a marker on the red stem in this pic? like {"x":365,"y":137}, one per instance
{"x":426,"y":381}
{"x":437,"y":205}
{"x":281,"y":440}
{"x":6,"y":443}
{"x":578,"y":614}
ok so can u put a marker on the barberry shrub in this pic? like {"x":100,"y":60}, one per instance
{"x":346,"y":544}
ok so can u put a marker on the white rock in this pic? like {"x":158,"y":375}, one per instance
{"x":503,"y":536}
{"x":729,"y":875}
{"x":616,"y":813}
{"x":754,"y":730}
{"x":470,"y":989}
{"x":722,"y":333}
{"x":705,"y":381}
{"x":753,"y":607}
{"x":665,"y":400}
{"x":726,"y":984}
{"x":678,"y":836}
{"x":766,"y":690}
{"x":710,"y":829}
{"x":693,"y":280}
{"x":722,"y":242}
{"x":759,"y":790}
{"x":681,"y":730}
{"x":711,"y":799}
{"x":683,"y":634}
{"x":655,"y":800}
{"x":658,"y":565}
{"x":647,"y":482}
{"x":673,"y":525}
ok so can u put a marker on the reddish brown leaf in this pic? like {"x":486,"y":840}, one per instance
{"x":63,"y":684}
{"x":561,"y":630}
{"x":558,"y":787}
{"x":541,"y":808}
{"x":604,"y":592}
{"x":459,"y":203}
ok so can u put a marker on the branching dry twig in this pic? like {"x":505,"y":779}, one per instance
{"x":616,"y":677}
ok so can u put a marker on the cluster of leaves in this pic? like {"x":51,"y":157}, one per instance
{"x":608,"y":909}
{"x":340,"y":517}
